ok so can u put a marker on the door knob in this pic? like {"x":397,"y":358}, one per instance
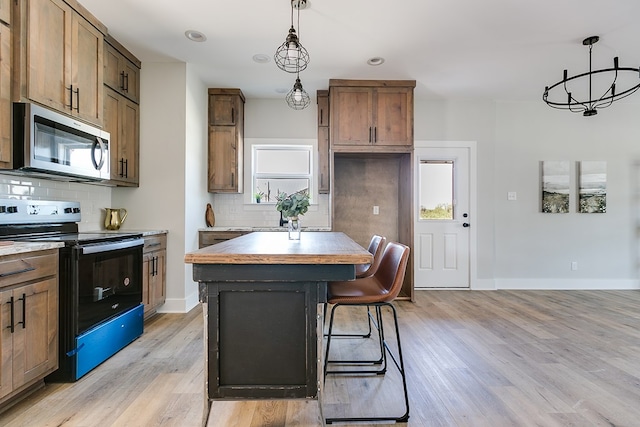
{"x":465,"y":224}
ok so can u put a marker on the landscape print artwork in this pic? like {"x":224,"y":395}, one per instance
{"x":592,"y":194}
{"x":555,"y":186}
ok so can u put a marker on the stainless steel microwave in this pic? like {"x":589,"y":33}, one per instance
{"x":50,"y":144}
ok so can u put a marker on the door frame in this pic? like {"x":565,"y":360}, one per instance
{"x":473,"y":200}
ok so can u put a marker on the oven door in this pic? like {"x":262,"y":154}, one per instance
{"x":109,"y":280}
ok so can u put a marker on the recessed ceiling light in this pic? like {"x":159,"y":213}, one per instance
{"x":261,"y":58}
{"x":195,"y":36}
{"x":376,"y":60}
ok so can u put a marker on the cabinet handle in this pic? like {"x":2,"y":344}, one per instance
{"x":321,"y":116}
{"x":24,"y":270}
{"x":24,"y":311}
{"x":375,"y":134}
{"x":153,"y":245}
{"x":126,"y":79}
{"x":126,"y":168}
{"x":70,"y":88}
{"x":370,"y":134}
{"x":233,"y":179}
{"x":77,"y":100}
{"x":11,"y":326}
{"x":121,"y":161}
{"x":233,"y":116}
{"x":122,"y":80}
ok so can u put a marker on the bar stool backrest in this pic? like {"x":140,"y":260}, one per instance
{"x":376,"y":246}
{"x":393,"y":265}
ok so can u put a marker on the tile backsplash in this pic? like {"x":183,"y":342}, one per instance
{"x":93,"y":198}
{"x":233,"y":210}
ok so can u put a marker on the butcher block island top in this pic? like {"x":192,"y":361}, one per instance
{"x":322,"y":247}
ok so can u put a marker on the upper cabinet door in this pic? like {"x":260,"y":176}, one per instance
{"x":5,"y":97}
{"x":86,"y":69}
{"x":5,"y":11}
{"x":120,"y":74}
{"x":48,"y":47}
{"x":226,"y":107}
{"x":351,"y":115}
{"x":393,"y":116}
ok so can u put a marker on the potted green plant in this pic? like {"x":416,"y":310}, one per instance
{"x":292,"y":206}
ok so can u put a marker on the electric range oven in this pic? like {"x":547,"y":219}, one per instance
{"x":100,"y":281}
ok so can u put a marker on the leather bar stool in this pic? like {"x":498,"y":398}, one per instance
{"x":376,"y":246}
{"x":376,"y":291}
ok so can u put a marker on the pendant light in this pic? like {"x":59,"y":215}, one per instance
{"x":291,"y":56}
{"x":298,"y":98}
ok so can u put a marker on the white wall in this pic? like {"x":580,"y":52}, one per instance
{"x":161,"y":202}
{"x":535,"y":250}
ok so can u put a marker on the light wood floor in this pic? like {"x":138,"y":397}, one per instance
{"x":494,"y":358}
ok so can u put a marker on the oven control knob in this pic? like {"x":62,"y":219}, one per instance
{"x":68,"y":210}
{"x":3,"y":209}
{"x":76,"y":210}
{"x":12,"y":209}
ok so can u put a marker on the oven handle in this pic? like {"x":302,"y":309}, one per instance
{"x":111,"y":246}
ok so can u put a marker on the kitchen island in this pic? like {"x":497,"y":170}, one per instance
{"x":260,"y":293}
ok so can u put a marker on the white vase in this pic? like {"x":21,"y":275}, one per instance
{"x":294,"y":228}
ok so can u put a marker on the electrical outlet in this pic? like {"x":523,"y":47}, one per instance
{"x":512,"y":195}
{"x":574,"y":265}
{"x":376,"y":210}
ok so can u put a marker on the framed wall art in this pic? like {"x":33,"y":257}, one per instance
{"x":555,"y":186}
{"x":592,"y":189}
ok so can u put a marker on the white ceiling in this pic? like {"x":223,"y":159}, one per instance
{"x":496,"y":49}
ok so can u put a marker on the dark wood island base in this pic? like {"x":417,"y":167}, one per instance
{"x":261,"y":294}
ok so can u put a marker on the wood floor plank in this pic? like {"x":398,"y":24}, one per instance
{"x":473,"y":358}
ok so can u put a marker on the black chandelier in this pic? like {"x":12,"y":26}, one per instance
{"x":291,"y":56}
{"x":590,"y":107}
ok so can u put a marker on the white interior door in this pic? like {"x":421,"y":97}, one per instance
{"x":443,"y":217}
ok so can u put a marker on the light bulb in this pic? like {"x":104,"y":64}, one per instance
{"x":297,"y":95}
{"x":293,"y":52}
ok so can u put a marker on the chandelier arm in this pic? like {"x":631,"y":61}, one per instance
{"x":577,"y":76}
{"x":570,"y":98}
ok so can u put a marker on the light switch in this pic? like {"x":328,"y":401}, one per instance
{"x":511,"y":195}
{"x":376,"y":210}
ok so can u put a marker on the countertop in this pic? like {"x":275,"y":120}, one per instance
{"x":143,"y":232}
{"x":276,"y":248}
{"x":10,"y":248}
{"x":257,"y":228}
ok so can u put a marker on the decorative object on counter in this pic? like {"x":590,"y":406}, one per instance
{"x":209,"y":216}
{"x":114,"y":218}
{"x":293,"y":206}
{"x":589,"y":107}
{"x":258,"y":196}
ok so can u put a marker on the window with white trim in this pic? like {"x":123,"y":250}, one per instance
{"x":280,"y":168}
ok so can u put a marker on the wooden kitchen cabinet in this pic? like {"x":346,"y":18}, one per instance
{"x":28,"y":320}
{"x":226,"y":107}
{"x":208,"y":238}
{"x":59,"y":58}
{"x":323,"y":142}
{"x":226,"y":141}
{"x":5,"y":96}
{"x":371,"y":115}
{"x":5,"y":11}
{"x":154,"y":269}
{"x":121,"y":70}
{"x":122,"y":121}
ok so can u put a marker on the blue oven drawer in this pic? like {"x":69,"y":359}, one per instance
{"x":98,"y":344}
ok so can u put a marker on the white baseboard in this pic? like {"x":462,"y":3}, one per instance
{"x":548,"y":284}
{"x":568,"y":284}
{"x":180,"y":305}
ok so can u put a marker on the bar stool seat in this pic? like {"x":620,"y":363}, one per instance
{"x":376,"y":246}
{"x":374,"y":291}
